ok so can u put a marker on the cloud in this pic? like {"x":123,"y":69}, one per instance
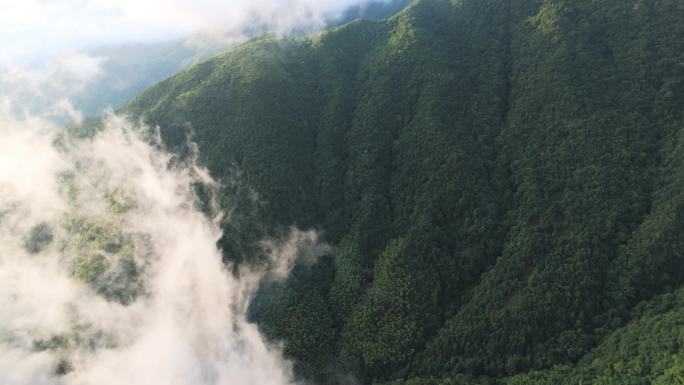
{"x":75,"y":69}
{"x":300,"y":247}
{"x":33,"y":27}
{"x":44,"y":57}
{"x":46,"y":91}
{"x":111,"y":275}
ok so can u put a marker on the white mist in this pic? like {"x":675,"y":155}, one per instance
{"x":182,"y":319}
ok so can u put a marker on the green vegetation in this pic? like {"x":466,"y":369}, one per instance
{"x":104,"y":258}
{"x":645,"y":351}
{"x":57,"y":342}
{"x":63,"y":345}
{"x":119,"y":202}
{"x":503,"y":179}
{"x":38,"y":238}
{"x":63,"y":367}
{"x":371,"y":10}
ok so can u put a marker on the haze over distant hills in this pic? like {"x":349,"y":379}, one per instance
{"x":108,"y":76}
{"x":129,"y":69}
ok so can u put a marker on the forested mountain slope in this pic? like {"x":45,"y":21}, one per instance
{"x":372,"y":10}
{"x":503,"y":181}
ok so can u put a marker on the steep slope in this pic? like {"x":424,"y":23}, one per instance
{"x":645,"y":351}
{"x":502,"y":179}
{"x":371,"y":10}
{"x":127,"y":70}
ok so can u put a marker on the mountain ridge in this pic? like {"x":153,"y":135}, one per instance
{"x":500,"y":179}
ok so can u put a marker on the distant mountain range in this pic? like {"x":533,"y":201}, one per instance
{"x":126,"y":70}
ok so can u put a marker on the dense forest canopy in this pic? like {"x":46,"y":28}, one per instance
{"x":503,"y":181}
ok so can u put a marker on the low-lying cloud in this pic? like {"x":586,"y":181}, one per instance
{"x":46,"y":91}
{"x":32,"y":27}
{"x":100,"y":53}
{"x":110,"y":275}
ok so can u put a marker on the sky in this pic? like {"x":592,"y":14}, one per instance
{"x":34,"y":30}
{"x":47,"y":64}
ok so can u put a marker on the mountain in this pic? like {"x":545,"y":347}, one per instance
{"x":129,"y":69}
{"x":372,"y":10}
{"x":503,"y":181}
{"x":86,"y":83}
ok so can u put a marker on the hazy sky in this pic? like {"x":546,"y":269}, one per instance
{"x":33,"y":29}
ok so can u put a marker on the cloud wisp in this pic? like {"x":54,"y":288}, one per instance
{"x":101,"y":53}
{"x":111,"y":275}
{"x":34,"y":28}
